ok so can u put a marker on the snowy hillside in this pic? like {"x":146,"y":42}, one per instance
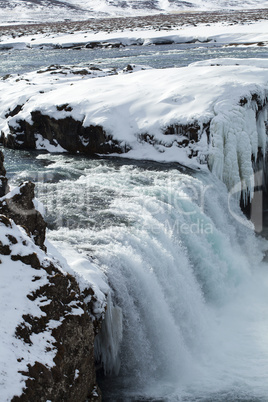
{"x":19,"y":11}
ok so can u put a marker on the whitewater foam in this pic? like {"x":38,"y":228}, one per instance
{"x":187,"y":312}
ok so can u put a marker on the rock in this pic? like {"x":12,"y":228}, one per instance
{"x":129,"y":67}
{"x":4,"y":188}
{"x":192,"y":131}
{"x":19,"y":206}
{"x":21,"y":209}
{"x":72,"y":375}
{"x":67,"y":132}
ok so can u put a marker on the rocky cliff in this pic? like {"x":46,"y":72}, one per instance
{"x":47,"y":333}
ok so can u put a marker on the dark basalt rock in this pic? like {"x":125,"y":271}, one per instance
{"x":13,"y":112}
{"x":73,"y":376}
{"x":21,"y":209}
{"x":67,"y":132}
{"x":192,"y":131}
{"x":30,"y":259}
{"x":4,"y":188}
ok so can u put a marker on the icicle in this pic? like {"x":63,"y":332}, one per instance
{"x":236,"y":135}
{"x":108,"y":341}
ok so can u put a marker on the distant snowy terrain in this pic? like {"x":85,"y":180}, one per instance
{"x":19,"y":11}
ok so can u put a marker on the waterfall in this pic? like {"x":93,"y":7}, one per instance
{"x":188,"y":282}
{"x":174,"y":271}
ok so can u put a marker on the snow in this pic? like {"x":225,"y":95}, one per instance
{"x":11,"y":194}
{"x":214,"y":33}
{"x":16,"y":281}
{"x":19,"y":11}
{"x":85,"y":272}
{"x":44,"y":144}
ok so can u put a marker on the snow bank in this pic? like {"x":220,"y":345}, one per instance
{"x":215,"y":33}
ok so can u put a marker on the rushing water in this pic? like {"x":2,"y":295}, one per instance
{"x":187,"y":274}
{"x":185,"y":271}
{"x":20,"y":61}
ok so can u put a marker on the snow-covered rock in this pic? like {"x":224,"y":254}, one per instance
{"x":18,"y":205}
{"x":211,"y":112}
{"x":228,"y":32}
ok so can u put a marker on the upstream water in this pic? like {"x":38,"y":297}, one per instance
{"x":187,"y":274}
{"x":20,"y":61}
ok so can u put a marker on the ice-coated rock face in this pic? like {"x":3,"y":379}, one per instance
{"x":47,"y":334}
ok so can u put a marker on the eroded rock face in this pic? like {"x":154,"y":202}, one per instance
{"x":4,"y":188}
{"x":20,"y":207}
{"x":67,"y":132}
{"x":73,"y":376}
